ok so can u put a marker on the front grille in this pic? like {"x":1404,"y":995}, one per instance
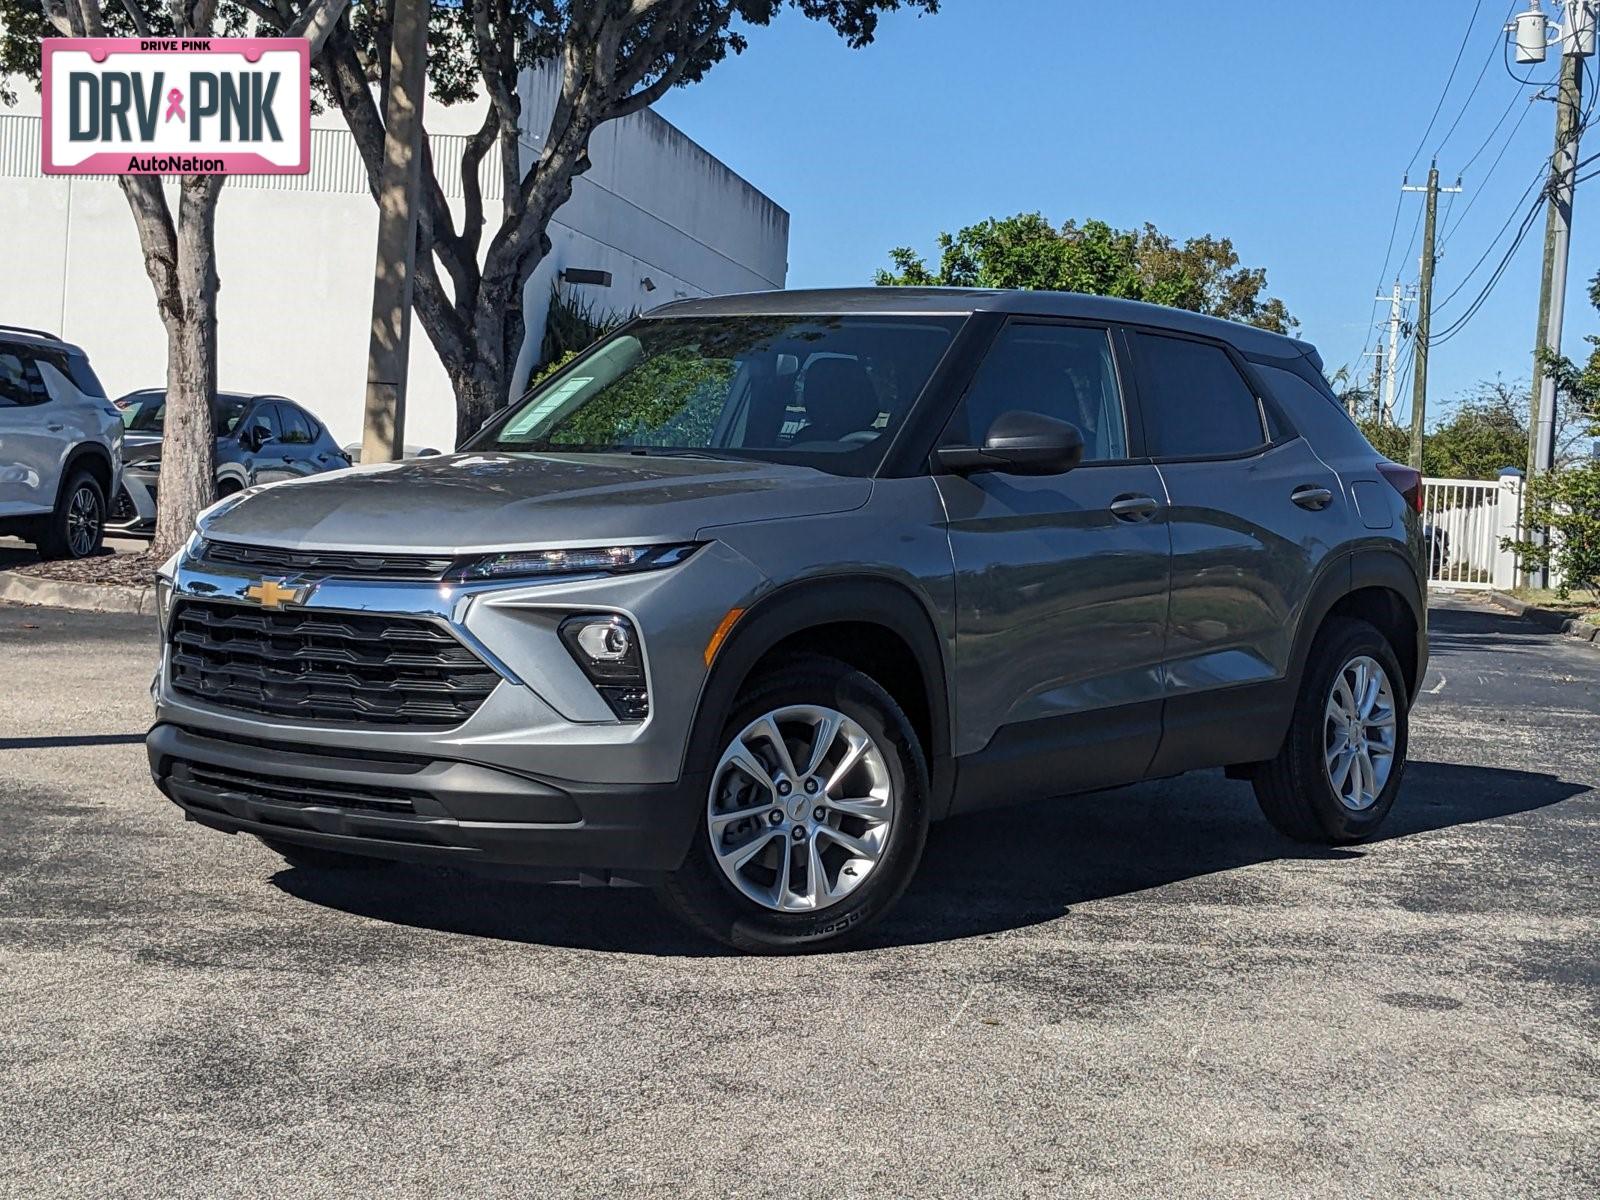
{"x":269,"y":560}
{"x":303,"y":793}
{"x":315,"y":665}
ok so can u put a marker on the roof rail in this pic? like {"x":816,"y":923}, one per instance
{"x":24,"y":329}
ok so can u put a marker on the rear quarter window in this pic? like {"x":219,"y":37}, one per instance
{"x":1195,"y":402}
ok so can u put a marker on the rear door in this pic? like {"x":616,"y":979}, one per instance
{"x":1254,"y":514}
{"x":1061,"y":581}
{"x":32,"y":435}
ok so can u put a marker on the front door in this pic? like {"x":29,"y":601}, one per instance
{"x":1061,"y":581}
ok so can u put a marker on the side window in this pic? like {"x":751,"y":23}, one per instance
{"x":1061,"y":371}
{"x":1195,"y":402}
{"x":296,"y":432}
{"x":266,"y":415}
{"x":20,"y":383}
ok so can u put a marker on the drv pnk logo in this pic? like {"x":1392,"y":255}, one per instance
{"x":171,"y":106}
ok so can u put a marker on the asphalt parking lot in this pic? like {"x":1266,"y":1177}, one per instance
{"x":1140,"y":993}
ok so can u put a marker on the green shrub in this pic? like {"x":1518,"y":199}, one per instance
{"x":1567,"y":504}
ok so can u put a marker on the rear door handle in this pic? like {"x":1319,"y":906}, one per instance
{"x":55,"y":426}
{"x":1133,"y":508}
{"x":1309,"y":495}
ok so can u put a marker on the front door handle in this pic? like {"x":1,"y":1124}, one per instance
{"x":1310,"y":495}
{"x":1132,"y":508}
{"x":55,"y":426}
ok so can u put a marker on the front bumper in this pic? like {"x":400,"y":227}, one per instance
{"x":133,"y":503}
{"x":422,"y":810}
{"x":541,"y":776}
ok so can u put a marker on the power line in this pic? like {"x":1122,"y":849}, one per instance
{"x":1465,"y":37}
{"x":1482,"y":184}
{"x":1516,"y":211}
{"x":1494,"y":45}
{"x":1461,"y":322}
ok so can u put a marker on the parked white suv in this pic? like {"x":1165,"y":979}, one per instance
{"x":60,"y":445}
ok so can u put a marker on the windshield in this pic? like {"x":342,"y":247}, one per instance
{"x":146,"y":412}
{"x":826,"y":391}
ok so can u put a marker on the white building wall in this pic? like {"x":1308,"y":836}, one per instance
{"x":295,"y":256}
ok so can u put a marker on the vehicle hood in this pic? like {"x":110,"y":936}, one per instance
{"x":464,"y":503}
{"x":140,"y":448}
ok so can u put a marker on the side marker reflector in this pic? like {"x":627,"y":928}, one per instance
{"x":724,"y":628}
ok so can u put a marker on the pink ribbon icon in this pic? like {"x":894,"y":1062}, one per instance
{"x":175,"y":105}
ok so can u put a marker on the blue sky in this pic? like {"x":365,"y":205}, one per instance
{"x":1285,"y":126}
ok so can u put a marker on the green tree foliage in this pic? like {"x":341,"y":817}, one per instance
{"x":1567,"y":503}
{"x":1389,"y":440}
{"x":1025,"y":251}
{"x":1483,"y":433}
{"x":1578,"y":388}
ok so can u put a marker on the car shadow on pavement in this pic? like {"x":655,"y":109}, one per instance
{"x":983,"y":873}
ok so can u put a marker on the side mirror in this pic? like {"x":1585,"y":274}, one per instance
{"x":256,"y":437}
{"x":1019,"y":443}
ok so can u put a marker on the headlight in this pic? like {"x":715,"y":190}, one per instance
{"x":606,"y":647}
{"x":164,"y":590}
{"x":538,"y":564}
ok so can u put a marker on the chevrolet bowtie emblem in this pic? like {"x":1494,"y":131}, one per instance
{"x":269,"y":593}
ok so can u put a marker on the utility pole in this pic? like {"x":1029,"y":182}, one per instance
{"x":388,"y":353}
{"x":1419,"y":378}
{"x":1397,"y":299}
{"x":1377,"y":385}
{"x":1577,"y":42}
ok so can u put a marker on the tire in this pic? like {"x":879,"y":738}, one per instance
{"x":1296,"y":790}
{"x":315,"y":858}
{"x":885,"y":782}
{"x":77,"y":527}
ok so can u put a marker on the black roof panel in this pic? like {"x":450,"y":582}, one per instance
{"x":905,"y":300}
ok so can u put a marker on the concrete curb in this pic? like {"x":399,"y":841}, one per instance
{"x":1558,"y":622}
{"x":89,"y":597}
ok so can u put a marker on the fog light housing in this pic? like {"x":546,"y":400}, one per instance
{"x":606,"y":647}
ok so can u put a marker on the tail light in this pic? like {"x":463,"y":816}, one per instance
{"x":1405,"y":480}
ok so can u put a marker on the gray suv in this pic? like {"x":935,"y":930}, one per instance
{"x":60,"y":445}
{"x":757,"y":588}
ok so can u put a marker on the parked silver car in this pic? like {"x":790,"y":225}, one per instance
{"x":60,"y":445}
{"x":754,"y":590}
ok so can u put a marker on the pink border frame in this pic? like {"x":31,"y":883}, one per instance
{"x":235,"y":163}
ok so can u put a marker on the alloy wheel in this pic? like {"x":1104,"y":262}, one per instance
{"x":83,"y":521}
{"x":1360,"y":728}
{"x":800,"y":809}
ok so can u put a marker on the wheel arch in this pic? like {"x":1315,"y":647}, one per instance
{"x":92,"y":458}
{"x":231,"y":477}
{"x":1381,"y":587}
{"x":875,"y":624}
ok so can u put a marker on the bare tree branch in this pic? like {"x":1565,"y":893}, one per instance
{"x":317,"y":22}
{"x":141,"y":25}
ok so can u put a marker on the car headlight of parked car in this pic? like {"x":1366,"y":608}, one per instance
{"x":539,"y":564}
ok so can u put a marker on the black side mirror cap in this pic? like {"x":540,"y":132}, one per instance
{"x":1019,"y":443}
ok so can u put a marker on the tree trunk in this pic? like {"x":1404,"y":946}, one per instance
{"x":188,"y":451}
{"x":479,"y":392}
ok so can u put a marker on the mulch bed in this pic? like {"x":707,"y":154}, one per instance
{"x":136,"y":569}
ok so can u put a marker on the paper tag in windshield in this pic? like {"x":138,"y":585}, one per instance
{"x":547,"y":405}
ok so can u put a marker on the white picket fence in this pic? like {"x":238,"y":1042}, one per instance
{"x":1463,"y":521}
